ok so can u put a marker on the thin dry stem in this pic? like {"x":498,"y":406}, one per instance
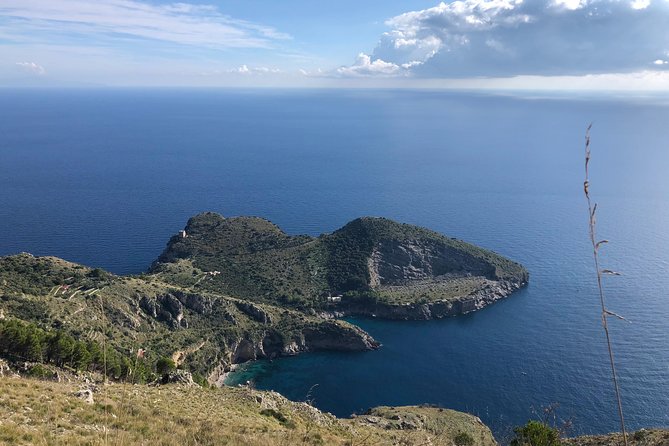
{"x":104,"y":361}
{"x":592,"y":209}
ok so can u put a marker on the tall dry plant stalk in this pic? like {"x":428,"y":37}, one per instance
{"x":104,"y":362}
{"x":592,"y":210}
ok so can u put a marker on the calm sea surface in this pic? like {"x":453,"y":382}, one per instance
{"x":105,"y":177}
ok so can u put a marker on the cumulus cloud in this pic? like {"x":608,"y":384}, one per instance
{"x":498,"y":38}
{"x":365,"y":66}
{"x":182,"y":23}
{"x":31,"y":67}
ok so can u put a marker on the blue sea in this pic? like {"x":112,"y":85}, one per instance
{"x":104,"y":177}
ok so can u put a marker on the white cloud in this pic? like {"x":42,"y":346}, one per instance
{"x":499,"y":38}
{"x":182,"y":23}
{"x":366,"y":66}
{"x":570,"y":4}
{"x":31,"y":67}
{"x":640,"y":4}
{"x":244,"y":70}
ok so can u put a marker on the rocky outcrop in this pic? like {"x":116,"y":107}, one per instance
{"x":86,"y":395}
{"x":314,"y":336}
{"x":395,"y":262}
{"x":255,"y":312}
{"x":333,"y":335}
{"x":327,"y":335}
{"x":195,"y":302}
{"x":178,"y":376}
{"x":165,"y":308}
{"x":488,"y":294}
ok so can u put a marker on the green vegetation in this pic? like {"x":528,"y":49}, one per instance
{"x":536,"y":433}
{"x":463,"y":439}
{"x":165,"y":365}
{"x":23,"y":341}
{"x":253,"y":259}
{"x":75,"y":311}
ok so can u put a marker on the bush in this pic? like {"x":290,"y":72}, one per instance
{"x":165,"y":365}
{"x":200,"y":380}
{"x":39,"y":371}
{"x":535,"y":433}
{"x":463,"y":439}
{"x":281,"y":418}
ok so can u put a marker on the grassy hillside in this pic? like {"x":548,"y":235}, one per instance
{"x":42,"y":412}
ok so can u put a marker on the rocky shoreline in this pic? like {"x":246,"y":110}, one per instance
{"x":488,"y":295}
{"x":439,"y":309}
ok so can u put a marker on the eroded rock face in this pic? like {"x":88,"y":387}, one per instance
{"x":332,"y":335}
{"x":165,"y":308}
{"x":395,"y":263}
{"x":245,"y":350}
{"x":329,"y":335}
{"x":178,"y":377}
{"x":195,"y":302}
{"x":255,"y":312}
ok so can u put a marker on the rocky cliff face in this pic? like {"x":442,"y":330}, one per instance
{"x":394,"y":262}
{"x":260,"y":330}
{"x":324,"y":335}
{"x":438,"y":309}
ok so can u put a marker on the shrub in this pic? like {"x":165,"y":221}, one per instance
{"x":200,"y":380}
{"x":535,"y":433}
{"x":165,"y":365}
{"x":281,"y":418}
{"x":39,"y":371}
{"x":463,"y":439}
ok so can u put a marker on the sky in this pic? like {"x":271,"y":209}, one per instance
{"x":513,"y":44}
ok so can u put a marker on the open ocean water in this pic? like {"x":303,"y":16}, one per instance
{"x":104,"y":177}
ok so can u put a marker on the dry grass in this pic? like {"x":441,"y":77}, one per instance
{"x":644,"y":437}
{"x":48,"y":413}
{"x":606,"y":313}
{"x":443,"y":288}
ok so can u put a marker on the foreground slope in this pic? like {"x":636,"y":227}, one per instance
{"x":41,"y":412}
{"x":369,"y":266}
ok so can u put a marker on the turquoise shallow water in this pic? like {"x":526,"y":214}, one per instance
{"x":105,"y":177}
